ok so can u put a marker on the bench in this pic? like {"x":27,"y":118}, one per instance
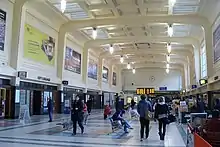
{"x":115,"y":124}
{"x":67,"y":125}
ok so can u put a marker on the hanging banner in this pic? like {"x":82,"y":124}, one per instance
{"x":105,"y":74}
{"x":114,"y":79}
{"x":2,"y":29}
{"x":92,"y":69}
{"x":216,"y":44}
{"x":38,"y":46}
{"x":72,"y":61}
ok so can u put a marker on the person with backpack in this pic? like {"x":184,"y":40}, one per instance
{"x":161,"y":114}
{"x":144,"y":109}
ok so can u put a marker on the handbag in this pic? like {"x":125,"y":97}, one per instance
{"x":147,"y":115}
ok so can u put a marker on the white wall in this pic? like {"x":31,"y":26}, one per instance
{"x":74,"y":79}
{"x":142,"y":78}
{"x":35,"y":68}
{"x":5,"y":69}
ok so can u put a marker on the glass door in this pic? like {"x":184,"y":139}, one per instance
{"x":2,"y":102}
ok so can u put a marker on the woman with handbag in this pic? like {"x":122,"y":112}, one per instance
{"x":144,"y":109}
{"x":161,"y":114}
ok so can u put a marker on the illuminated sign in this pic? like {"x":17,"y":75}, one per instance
{"x":140,"y":91}
{"x":203,"y":81}
{"x":194,"y":86}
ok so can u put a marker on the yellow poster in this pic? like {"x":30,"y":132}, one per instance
{"x":38,"y":46}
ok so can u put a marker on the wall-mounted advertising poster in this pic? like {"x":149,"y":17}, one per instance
{"x":92,"y":69}
{"x":216,"y":44}
{"x":105,"y":74}
{"x":38,"y":46}
{"x":2,"y":29}
{"x":72,"y":61}
{"x":114,"y":79}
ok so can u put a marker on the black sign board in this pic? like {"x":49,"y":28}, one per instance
{"x":65,"y":82}
{"x":216,"y":78}
{"x":43,"y":78}
{"x":22,"y":74}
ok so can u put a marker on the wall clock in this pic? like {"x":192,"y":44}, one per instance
{"x":152,"y":78}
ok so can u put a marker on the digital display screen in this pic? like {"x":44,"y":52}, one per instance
{"x":140,"y":91}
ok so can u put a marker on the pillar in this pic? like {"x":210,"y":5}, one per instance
{"x":110,"y":76}
{"x":100,"y":66}
{"x":61,"y":48}
{"x":197,"y":64}
{"x":85,"y":66}
{"x":16,"y":25}
{"x":209,"y":50}
{"x":183,"y":79}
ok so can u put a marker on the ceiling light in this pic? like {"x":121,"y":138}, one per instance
{"x":133,"y":70}
{"x":128,"y":66}
{"x":170,"y":30}
{"x":111,"y":49}
{"x":94,"y":33}
{"x":122,"y":59}
{"x":167,"y":70}
{"x":169,"y":48}
{"x":168,"y":58}
{"x":172,"y":2}
{"x":126,"y":56}
{"x":168,"y":65}
{"x":63,"y":5}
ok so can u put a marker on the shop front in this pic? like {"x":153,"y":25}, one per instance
{"x":67,"y":98}
{"x":36,"y":96}
{"x":6,"y":96}
{"x":96,"y":99}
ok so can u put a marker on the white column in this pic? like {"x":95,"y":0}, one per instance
{"x":209,"y":50}
{"x":85,"y":66}
{"x":16,"y":26}
{"x":61,"y":48}
{"x":197,"y":64}
{"x":110,"y":76}
{"x":100,"y":66}
{"x":183,"y":79}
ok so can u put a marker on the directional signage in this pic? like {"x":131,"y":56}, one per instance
{"x":140,"y":91}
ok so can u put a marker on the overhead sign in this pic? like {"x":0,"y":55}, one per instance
{"x":203,"y":81}
{"x":163,"y":88}
{"x":65,"y":82}
{"x":194,"y":86}
{"x":140,"y":91}
{"x":22,"y":74}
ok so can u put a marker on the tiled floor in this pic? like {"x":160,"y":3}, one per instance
{"x":97,"y":134}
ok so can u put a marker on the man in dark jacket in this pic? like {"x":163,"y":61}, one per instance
{"x":89,"y":105}
{"x":217,"y":105}
{"x":77,"y":114}
{"x":50,"y":109}
{"x":143,"y":108}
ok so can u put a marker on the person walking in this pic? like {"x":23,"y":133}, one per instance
{"x":161,"y":114}
{"x":89,"y":105}
{"x":50,"y":109}
{"x":85,"y":113}
{"x":144,"y":109}
{"x":77,"y":114}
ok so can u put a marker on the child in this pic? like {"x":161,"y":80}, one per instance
{"x":107,"y":111}
{"x":85,"y":112}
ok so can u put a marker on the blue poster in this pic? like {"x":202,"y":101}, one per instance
{"x":92,"y":69}
{"x":72,"y":61}
{"x":216,"y":44}
{"x":2,"y":29}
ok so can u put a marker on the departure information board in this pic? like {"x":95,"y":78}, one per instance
{"x":140,"y":91}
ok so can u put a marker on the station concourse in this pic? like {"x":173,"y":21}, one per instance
{"x":106,"y":53}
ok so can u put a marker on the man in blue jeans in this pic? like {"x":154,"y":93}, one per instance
{"x":50,"y":109}
{"x":118,"y":115}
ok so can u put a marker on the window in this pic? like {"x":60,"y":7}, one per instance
{"x":203,"y":60}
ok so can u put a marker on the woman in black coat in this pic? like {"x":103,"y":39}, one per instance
{"x":77,"y":114}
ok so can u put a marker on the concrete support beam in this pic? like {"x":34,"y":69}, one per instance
{"x":85,"y":66}
{"x":110,"y":75}
{"x":100,"y":66}
{"x":16,"y":25}
{"x":139,"y":39}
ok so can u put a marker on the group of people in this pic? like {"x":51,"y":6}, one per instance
{"x":145,"y":110}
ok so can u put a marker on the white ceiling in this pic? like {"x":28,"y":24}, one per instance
{"x":91,"y":9}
